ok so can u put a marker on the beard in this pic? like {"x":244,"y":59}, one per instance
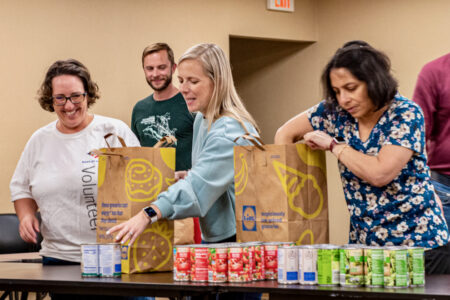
{"x":163,"y":86}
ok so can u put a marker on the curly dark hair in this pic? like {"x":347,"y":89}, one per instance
{"x":67,"y":67}
{"x":368,"y":65}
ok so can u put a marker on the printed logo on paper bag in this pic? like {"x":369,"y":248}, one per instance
{"x":241,"y":177}
{"x":293,"y":181}
{"x":248,"y":218}
{"x":159,"y":236}
{"x":143,"y":181}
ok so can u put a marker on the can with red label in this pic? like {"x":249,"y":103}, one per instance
{"x":217,"y":263}
{"x":236,"y":270}
{"x":181,"y":263}
{"x":271,"y":260}
{"x":258,"y":265}
{"x":199,"y":263}
{"x":249,"y":259}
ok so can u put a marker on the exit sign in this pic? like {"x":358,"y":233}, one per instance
{"x":283,"y":5}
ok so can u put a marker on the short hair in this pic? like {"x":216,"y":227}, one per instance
{"x":368,"y":65}
{"x":225,"y":100}
{"x":67,"y":67}
{"x":156,"y":48}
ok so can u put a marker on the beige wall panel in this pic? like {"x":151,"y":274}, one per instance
{"x":108,"y":36}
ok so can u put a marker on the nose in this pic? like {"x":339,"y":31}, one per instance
{"x":343,"y":97}
{"x":184,"y":89}
{"x":68,"y":105}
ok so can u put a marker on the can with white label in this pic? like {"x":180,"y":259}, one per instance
{"x":89,"y":260}
{"x":110,"y":264}
{"x":307,"y":265}
{"x":287,"y":264}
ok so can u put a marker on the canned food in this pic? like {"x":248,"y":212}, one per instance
{"x":287,"y":265}
{"x":328,"y":265}
{"x":110,"y":264}
{"x":395,"y":267}
{"x":271,"y":260}
{"x":89,"y":260}
{"x":259,"y":269}
{"x":351,"y":266}
{"x":416,"y":266}
{"x":249,"y":259}
{"x":373,"y":266}
{"x":218,"y":263}
{"x":181,"y":263}
{"x":199,"y":263}
{"x":307,"y":265}
{"x":238,"y":264}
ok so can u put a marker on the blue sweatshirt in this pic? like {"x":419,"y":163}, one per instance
{"x":208,"y":189}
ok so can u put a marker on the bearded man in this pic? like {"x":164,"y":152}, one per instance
{"x":164,"y":112}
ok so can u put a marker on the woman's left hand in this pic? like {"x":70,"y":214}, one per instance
{"x":318,"y":140}
{"x":130,"y":229}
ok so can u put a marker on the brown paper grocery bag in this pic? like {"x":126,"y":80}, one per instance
{"x":281,"y":194}
{"x":129,"y":179}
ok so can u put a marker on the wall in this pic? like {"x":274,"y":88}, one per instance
{"x":108,"y":36}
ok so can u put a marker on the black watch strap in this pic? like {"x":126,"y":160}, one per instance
{"x":151,"y":214}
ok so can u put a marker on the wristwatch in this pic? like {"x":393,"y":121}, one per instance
{"x":337,"y":140}
{"x":151,"y":214}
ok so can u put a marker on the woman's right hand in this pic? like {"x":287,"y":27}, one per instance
{"x":130,"y":229}
{"x":28,"y":228}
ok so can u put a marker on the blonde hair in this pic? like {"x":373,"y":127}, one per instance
{"x":225,"y":101}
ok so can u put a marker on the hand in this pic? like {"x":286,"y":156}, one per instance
{"x":130,"y":229}
{"x":28,"y":227}
{"x":180,"y":175}
{"x":318,"y":140}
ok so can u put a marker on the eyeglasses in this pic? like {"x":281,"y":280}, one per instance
{"x":60,"y":100}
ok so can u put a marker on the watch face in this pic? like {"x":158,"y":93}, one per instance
{"x":150,"y":212}
{"x":340,"y":139}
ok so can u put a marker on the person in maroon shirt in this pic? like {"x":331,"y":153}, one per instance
{"x":432,"y":93}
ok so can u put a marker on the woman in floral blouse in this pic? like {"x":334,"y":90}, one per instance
{"x":378,"y":137}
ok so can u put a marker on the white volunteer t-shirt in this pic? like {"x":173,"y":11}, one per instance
{"x":56,"y":171}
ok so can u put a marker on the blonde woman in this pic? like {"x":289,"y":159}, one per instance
{"x":207,"y":190}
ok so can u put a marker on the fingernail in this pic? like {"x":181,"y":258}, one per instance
{"x":107,"y":232}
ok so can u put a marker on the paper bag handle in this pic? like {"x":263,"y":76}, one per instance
{"x":122,"y":142}
{"x":165,"y":141}
{"x":252,"y":138}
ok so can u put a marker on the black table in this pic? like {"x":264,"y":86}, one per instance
{"x":34,"y":277}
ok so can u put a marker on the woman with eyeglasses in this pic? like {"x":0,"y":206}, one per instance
{"x":55,"y":173}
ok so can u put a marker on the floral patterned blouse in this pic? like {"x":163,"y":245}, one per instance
{"x":405,"y":211}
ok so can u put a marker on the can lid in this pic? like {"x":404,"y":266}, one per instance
{"x":307,"y":247}
{"x":327,"y":246}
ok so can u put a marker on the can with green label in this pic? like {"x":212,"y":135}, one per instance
{"x":373,"y":266}
{"x":416,"y":266}
{"x":328,"y":265}
{"x":351,"y":265}
{"x":396,"y":267}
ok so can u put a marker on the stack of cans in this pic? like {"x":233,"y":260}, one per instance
{"x":101,"y":260}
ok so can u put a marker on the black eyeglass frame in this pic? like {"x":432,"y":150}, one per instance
{"x":69,"y":98}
